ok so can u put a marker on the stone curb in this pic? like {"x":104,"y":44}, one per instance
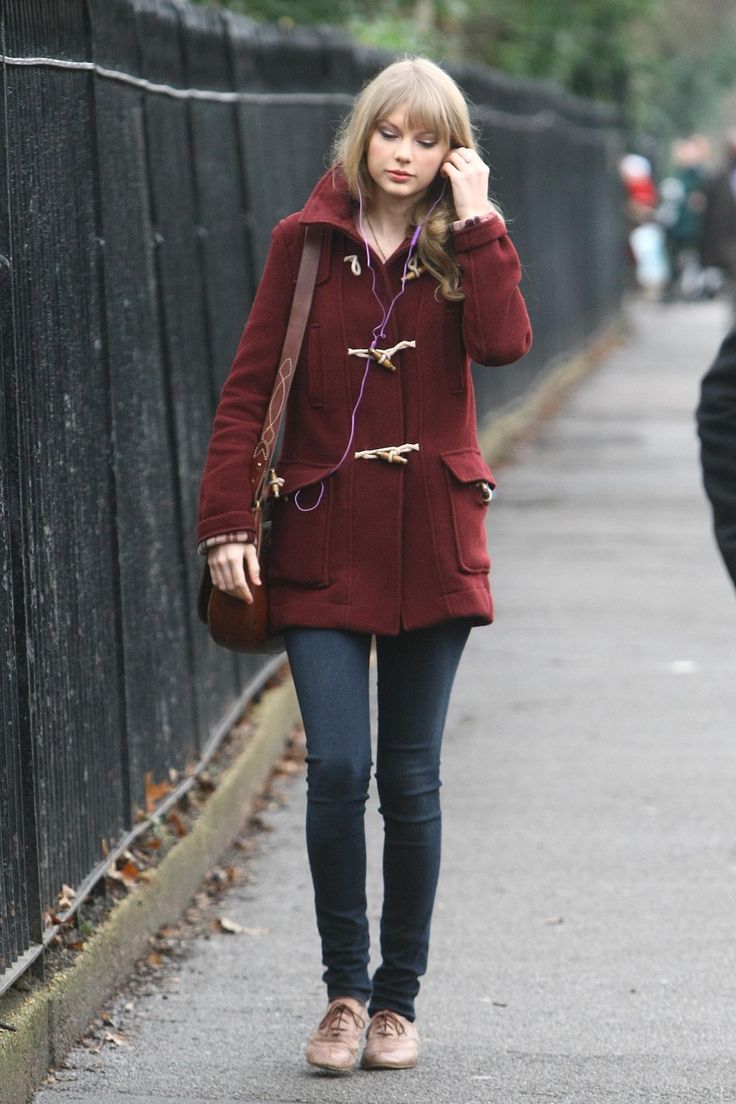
{"x":49,"y":1021}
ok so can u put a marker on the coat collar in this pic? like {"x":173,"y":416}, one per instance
{"x":330,"y":203}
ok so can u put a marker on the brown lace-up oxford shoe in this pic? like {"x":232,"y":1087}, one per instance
{"x":334,"y":1045}
{"x":392,"y":1042}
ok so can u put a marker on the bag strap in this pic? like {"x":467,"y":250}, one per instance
{"x":300,"y":307}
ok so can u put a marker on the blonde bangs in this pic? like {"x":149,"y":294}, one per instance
{"x":425,"y":109}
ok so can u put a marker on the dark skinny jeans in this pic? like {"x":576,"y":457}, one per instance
{"x":415,"y":674}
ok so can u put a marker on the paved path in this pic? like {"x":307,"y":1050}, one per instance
{"x":584,"y":945}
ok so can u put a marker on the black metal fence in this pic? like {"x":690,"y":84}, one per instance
{"x":147,"y":148}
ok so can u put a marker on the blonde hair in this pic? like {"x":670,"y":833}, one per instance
{"x":433,"y":102}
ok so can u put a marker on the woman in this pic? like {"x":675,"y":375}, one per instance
{"x":380,"y":526}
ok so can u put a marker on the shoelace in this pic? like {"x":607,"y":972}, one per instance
{"x":337,"y":1018}
{"x":386,"y":1023}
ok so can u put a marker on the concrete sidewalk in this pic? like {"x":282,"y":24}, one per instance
{"x":583,"y":946}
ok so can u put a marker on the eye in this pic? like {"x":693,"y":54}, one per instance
{"x":427,"y":142}
{"x":386,"y":133}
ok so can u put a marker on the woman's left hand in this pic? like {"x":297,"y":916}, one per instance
{"x":468,"y":174}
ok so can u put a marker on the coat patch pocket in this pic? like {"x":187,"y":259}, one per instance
{"x":465,"y":472}
{"x":300,"y":532}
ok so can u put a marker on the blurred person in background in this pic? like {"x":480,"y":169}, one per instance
{"x":718,"y":241}
{"x":680,"y":214}
{"x":647,"y":259}
{"x":716,"y":418}
{"x":641,"y":191}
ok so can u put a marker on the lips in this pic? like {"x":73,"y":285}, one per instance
{"x":397,"y":175}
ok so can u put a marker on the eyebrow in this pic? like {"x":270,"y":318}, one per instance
{"x":427,"y":130}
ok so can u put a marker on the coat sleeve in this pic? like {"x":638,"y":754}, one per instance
{"x":716,"y":418}
{"x":496,"y":328}
{"x":224,"y":497}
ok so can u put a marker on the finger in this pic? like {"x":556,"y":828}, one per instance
{"x":237,"y":584}
{"x":225,"y":576}
{"x":215,"y":575}
{"x":252,"y":565}
{"x":456,"y":158}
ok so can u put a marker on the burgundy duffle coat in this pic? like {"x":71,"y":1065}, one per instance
{"x":390,"y":546}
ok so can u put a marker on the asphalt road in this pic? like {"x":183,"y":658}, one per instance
{"x":584,"y":942}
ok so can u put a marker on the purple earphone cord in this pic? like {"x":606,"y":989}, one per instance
{"x":378,"y":332}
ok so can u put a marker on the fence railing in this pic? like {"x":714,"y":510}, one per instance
{"x":147,"y":147}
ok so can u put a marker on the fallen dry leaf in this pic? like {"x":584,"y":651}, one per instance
{"x":176,"y":823}
{"x":65,"y":897}
{"x":169,"y":931}
{"x":221,"y":876}
{"x":116,"y":1038}
{"x":155,"y":791}
{"x":229,"y":926}
{"x":130,"y":870}
{"x":116,"y":875}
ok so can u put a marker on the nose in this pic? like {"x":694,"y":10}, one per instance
{"x":403,"y":150}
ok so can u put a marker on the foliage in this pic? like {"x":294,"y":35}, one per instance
{"x":664,"y":62}
{"x":584,"y":45}
{"x":289,"y":12}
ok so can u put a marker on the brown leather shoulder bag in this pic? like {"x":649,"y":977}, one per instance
{"x":233,"y":623}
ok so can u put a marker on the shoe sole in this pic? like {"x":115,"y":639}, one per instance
{"x":336,"y":1070}
{"x":388,"y":1065}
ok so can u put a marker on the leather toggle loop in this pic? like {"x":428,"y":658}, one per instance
{"x":415,"y":269}
{"x":392,"y":454}
{"x":383,"y":356}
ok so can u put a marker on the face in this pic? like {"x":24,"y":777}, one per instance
{"x":403,"y":162}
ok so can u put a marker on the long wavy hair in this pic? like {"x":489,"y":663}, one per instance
{"x":433,"y":102}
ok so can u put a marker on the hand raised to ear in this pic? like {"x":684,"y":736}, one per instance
{"x":468,"y":175}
